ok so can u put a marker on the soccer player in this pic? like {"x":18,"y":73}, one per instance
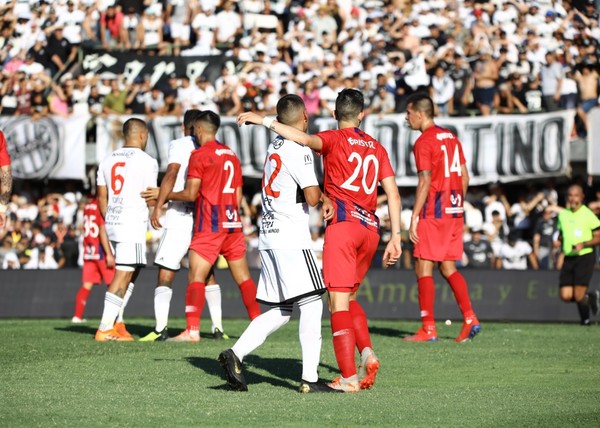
{"x":289,"y":270}
{"x":354,"y":164}
{"x":579,"y":233}
{"x":122,"y":176}
{"x":177,"y":235}
{"x":5,"y":180}
{"x":437,"y":217}
{"x":214,"y":182}
{"x":98,"y":258}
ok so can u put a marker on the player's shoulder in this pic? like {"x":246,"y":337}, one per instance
{"x":182,"y":143}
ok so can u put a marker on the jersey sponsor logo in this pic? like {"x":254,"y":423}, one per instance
{"x":454,"y":210}
{"x":307,"y":160}
{"x":221,"y":152}
{"x":277,"y":143}
{"x":455,"y":200}
{"x":362,"y":143}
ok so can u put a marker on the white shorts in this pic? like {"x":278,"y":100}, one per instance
{"x":287,"y":276}
{"x":173,"y":245}
{"x":129,"y":253}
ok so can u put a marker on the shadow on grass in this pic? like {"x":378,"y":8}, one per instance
{"x":390,"y":332}
{"x":283,"y":372}
{"x":135,"y":329}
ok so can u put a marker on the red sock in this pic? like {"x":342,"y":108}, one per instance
{"x":461,"y":294}
{"x":361,"y":328}
{"x":248,"y":290}
{"x":426,"y":300}
{"x":344,"y":342}
{"x":194,"y":303}
{"x":80,"y":301}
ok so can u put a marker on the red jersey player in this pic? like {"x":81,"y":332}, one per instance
{"x":437,"y":217}
{"x":98,"y":259}
{"x":355,"y":163}
{"x":5,"y":180}
{"x":214,"y":182}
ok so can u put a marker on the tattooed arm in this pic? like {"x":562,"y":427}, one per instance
{"x":5,"y":191}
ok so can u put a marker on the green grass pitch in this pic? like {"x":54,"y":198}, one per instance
{"x":512,"y":375}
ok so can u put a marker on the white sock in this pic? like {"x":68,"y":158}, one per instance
{"x":126,"y":297}
{"x":112,"y":306}
{"x":260,"y":328}
{"x":213,"y":301}
{"x":311,"y":311}
{"x":162,"y":304}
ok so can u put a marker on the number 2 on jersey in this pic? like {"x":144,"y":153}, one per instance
{"x":455,"y":166}
{"x":268,"y":189}
{"x":228,"y":167}
{"x":364,"y":165}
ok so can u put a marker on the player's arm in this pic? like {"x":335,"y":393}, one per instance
{"x":312,"y":194}
{"x":465,"y":179}
{"x":110,"y":258}
{"x":393,"y":250}
{"x":286,"y":131}
{"x":239,"y":196}
{"x":102,"y":200}
{"x":5,"y":191}
{"x":166,"y":187}
{"x":423,"y":186}
{"x":189,"y":194}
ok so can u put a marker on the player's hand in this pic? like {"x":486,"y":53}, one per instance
{"x":110,"y":261}
{"x":249,"y":118}
{"x":392,"y":253}
{"x":150,"y":194}
{"x":328,"y":209}
{"x":155,"y":217}
{"x":412,"y":232}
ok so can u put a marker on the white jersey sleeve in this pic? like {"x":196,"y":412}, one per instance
{"x":300,"y":165}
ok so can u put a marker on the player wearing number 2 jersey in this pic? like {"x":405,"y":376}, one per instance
{"x":354,"y":164}
{"x":122,"y":176}
{"x":98,"y":260}
{"x":214,"y":182}
{"x":437,"y":217}
{"x":289,"y":270}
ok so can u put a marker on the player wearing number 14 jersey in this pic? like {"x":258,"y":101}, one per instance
{"x":355,"y":163}
{"x":437,"y":217}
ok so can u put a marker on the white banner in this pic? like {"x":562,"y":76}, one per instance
{"x":51,"y":147}
{"x":593,"y":142}
{"x":498,"y":148}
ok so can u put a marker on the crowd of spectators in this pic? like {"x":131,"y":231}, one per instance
{"x":474,"y":57}
{"x":506,"y":227}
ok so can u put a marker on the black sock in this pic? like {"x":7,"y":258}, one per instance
{"x":584,"y":311}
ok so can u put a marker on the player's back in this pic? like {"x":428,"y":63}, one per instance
{"x":127,"y":172}
{"x":92,"y":220}
{"x":439,"y":151}
{"x":354,"y":163}
{"x":220,"y":172}
{"x":180,"y":151}
{"x":289,"y":168}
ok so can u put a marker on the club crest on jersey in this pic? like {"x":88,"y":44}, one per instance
{"x":455,"y":200}
{"x":277,"y":143}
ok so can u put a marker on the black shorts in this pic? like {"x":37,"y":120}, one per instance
{"x":577,"y":270}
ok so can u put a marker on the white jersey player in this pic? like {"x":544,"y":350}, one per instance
{"x":289,"y":270}
{"x":122,"y":176}
{"x":177,"y":235}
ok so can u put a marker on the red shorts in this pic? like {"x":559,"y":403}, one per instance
{"x":209,"y":245}
{"x":439,"y":239}
{"x":96,"y":271}
{"x":347,"y":254}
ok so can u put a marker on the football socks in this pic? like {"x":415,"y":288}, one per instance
{"x":311,"y":311}
{"x":344,"y":342}
{"x":194,"y":303}
{"x":361,"y":328}
{"x":248,"y":290}
{"x":162,"y":304}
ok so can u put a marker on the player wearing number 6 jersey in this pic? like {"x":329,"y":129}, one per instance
{"x":437,"y":218}
{"x":98,"y":259}
{"x":354,"y":165}
{"x":214,"y":182}
{"x":289,"y":270}
{"x":122,"y":176}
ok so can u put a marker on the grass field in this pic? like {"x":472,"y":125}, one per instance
{"x":54,"y":374}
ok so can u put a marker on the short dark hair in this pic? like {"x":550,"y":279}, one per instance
{"x":189,"y":117}
{"x":421,"y":102}
{"x":209,"y":119}
{"x":133,"y":126}
{"x":289,"y":109}
{"x":349,"y":104}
